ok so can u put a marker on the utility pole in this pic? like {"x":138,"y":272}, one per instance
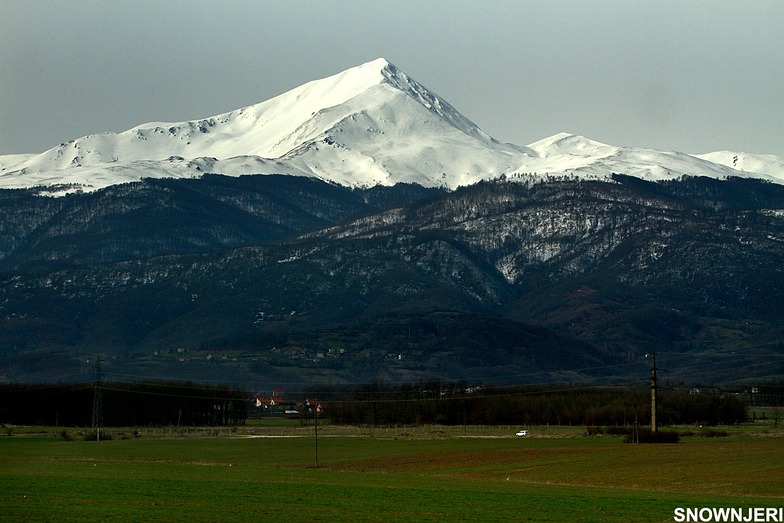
{"x":316,"y":406}
{"x":97,"y":400}
{"x":653,"y":392}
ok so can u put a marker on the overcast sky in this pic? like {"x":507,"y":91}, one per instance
{"x":683,"y":75}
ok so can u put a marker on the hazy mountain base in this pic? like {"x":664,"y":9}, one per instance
{"x":445,"y":287}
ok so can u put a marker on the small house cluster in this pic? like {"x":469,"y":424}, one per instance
{"x":277,"y":406}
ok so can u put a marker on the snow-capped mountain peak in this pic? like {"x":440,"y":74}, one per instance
{"x":370,"y":124}
{"x":565,"y":143}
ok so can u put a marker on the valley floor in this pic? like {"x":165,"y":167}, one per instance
{"x":431,"y":473}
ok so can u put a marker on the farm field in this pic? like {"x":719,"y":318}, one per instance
{"x":391,"y":476}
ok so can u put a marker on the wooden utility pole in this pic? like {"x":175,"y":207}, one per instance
{"x":653,"y":392}
{"x":316,"y":412}
{"x":316,"y":406}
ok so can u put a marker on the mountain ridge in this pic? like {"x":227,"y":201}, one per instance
{"x":275,"y":270}
{"x":389,"y":239}
{"x":371,"y":124}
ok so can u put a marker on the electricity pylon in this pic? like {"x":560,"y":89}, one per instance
{"x":97,"y":401}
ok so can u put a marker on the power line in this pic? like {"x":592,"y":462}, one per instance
{"x":170,"y":395}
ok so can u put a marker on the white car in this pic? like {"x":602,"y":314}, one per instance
{"x":521,"y":433}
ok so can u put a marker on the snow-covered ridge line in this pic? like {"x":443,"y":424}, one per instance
{"x":371,"y":124}
{"x":767,"y":164}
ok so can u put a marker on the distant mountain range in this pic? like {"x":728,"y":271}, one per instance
{"x":389,"y":239}
{"x":369,"y":125}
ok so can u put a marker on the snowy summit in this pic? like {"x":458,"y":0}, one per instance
{"x":371,"y":124}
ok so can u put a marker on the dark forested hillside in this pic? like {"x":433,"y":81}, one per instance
{"x":266,"y":279}
{"x":164,"y":216}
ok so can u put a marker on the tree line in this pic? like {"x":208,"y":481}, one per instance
{"x":123,"y":404}
{"x":434,"y":402}
{"x":535,"y":405}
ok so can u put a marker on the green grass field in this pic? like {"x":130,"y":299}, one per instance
{"x":397,"y":475}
